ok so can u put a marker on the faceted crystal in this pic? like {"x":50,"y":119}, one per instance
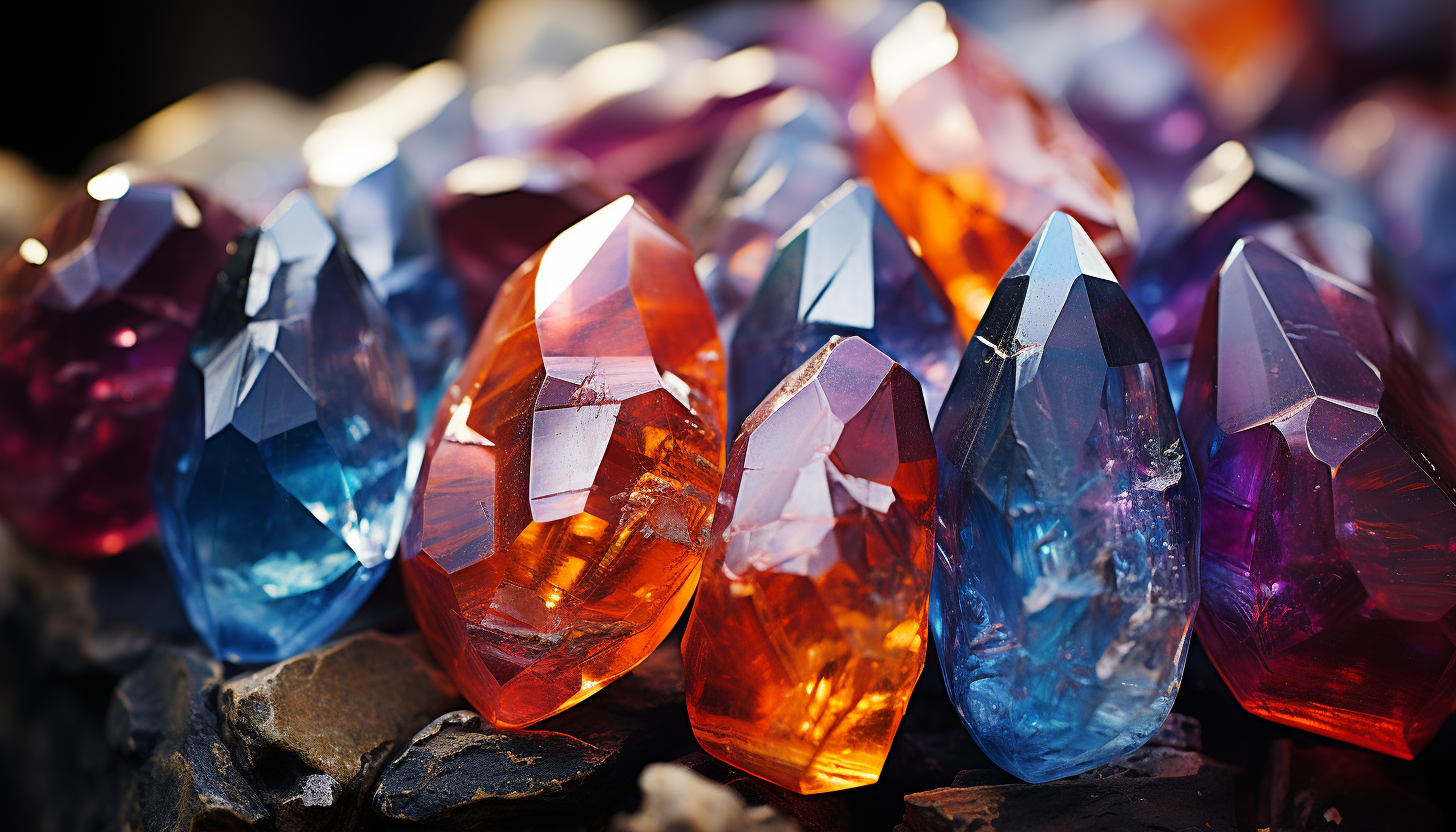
{"x":846,"y":271}
{"x":1067,"y":535}
{"x":808,"y":631}
{"x":560,"y":520}
{"x":500,"y":210}
{"x":388,"y":223}
{"x":1329,"y":493}
{"x":776,"y":162}
{"x":280,"y":479}
{"x":95,"y":313}
{"x":969,"y":162}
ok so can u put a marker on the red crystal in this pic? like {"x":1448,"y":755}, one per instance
{"x":562,"y":512}
{"x":95,"y":314}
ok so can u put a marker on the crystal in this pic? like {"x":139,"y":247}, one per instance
{"x":504,"y":40}
{"x":280,"y":479}
{"x":808,"y":631}
{"x":388,"y":222}
{"x":969,"y":162}
{"x":560,"y":520}
{"x":774,"y":164}
{"x":1327,"y":471}
{"x":239,"y":139}
{"x":499,"y":210}
{"x":845,"y":270}
{"x":95,"y":313}
{"x":1066,"y":579}
{"x":26,"y":197}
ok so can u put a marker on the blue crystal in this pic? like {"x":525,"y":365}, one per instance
{"x":386,"y":219}
{"x":1066,"y":572}
{"x":280,"y":478}
{"x":845,"y":271}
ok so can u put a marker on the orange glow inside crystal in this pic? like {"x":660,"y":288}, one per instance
{"x":561,"y":516}
{"x":809,"y":629}
{"x":969,"y":162}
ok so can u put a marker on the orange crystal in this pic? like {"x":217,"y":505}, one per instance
{"x":969,"y":162}
{"x":809,"y":629}
{"x":560,"y":519}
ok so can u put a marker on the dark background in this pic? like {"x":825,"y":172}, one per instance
{"x":76,"y":75}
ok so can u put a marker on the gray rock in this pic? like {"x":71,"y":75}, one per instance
{"x":314,"y":731}
{"x":1333,"y":788}
{"x":574,"y":768}
{"x":675,"y":799}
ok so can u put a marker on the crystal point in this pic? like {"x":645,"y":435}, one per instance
{"x":280,"y":478}
{"x":94,"y":317}
{"x":560,"y":519}
{"x":1066,"y":574}
{"x":808,"y":631}
{"x":843,"y":270}
{"x":1329,"y":494}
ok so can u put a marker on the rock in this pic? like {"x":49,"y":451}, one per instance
{"x":576,"y":767}
{"x":313,"y":732}
{"x":674,"y":799}
{"x":1203,"y":800}
{"x":188,"y":781}
{"x":1328,"y":788}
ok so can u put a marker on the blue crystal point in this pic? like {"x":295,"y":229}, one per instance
{"x":386,"y":219}
{"x":280,"y":479}
{"x":1066,"y":572}
{"x":843,"y":270}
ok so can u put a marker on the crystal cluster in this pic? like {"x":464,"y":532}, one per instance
{"x":1329,"y":493}
{"x":844,"y":271}
{"x":560,"y":521}
{"x":969,"y":162}
{"x":95,"y":313}
{"x":1066,"y":570}
{"x":809,"y":631}
{"x":280,"y":479}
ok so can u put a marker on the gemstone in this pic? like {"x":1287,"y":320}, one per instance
{"x":560,"y":520}
{"x":1329,"y":493}
{"x":808,"y":631}
{"x":95,"y":313}
{"x":388,"y":222}
{"x":504,"y":40}
{"x":239,"y":140}
{"x":969,"y":162}
{"x":280,"y":478}
{"x":27,"y":197}
{"x":774,"y":164}
{"x":499,"y":210}
{"x":1066,"y":579}
{"x":1234,"y":191}
{"x":845,"y":271}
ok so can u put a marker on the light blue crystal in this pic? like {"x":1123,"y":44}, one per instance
{"x":1066,"y":572}
{"x":280,"y":479}
{"x":387,"y":222}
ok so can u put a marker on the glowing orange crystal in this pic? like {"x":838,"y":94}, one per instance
{"x":809,"y":628}
{"x":563,"y":509}
{"x":969,"y":162}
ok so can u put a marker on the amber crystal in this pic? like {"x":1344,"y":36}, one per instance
{"x":969,"y":162}
{"x":562,"y":513}
{"x":809,"y":629}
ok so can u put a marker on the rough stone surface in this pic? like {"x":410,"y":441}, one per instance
{"x":573,"y":768}
{"x":1323,"y":788}
{"x":338,"y":712}
{"x":674,"y":799}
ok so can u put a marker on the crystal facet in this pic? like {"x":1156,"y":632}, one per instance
{"x":560,"y":520}
{"x":387,"y":220}
{"x":847,"y":271}
{"x":1066,"y":575}
{"x":1329,"y":493}
{"x":777,"y":161}
{"x":280,"y":479}
{"x":969,"y":162}
{"x":809,"y":631}
{"x":95,"y":313}
{"x":502,"y":209}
